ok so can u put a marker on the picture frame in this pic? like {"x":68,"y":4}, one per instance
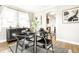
{"x":71,"y":15}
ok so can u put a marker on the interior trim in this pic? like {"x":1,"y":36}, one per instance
{"x":71,"y":42}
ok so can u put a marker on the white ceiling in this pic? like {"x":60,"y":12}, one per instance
{"x":40,"y":8}
{"x":30,"y":8}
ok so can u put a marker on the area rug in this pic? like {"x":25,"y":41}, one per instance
{"x":39,"y":50}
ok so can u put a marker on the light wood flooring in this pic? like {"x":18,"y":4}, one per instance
{"x":74,"y":48}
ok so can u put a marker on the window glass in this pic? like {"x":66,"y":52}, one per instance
{"x":9,"y":18}
{"x":23,"y":19}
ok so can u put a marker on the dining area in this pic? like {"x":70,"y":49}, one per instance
{"x":33,"y":41}
{"x":39,"y":29}
{"x":26,"y":29}
{"x":28,"y":32}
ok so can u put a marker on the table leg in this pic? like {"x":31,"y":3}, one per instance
{"x":35,"y":44}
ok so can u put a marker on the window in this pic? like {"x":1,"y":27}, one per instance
{"x":9,"y":18}
{"x":12,"y":18}
{"x":23,"y":19}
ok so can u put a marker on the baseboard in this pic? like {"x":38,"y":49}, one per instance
{"x":2,"y":41}
{"x":71,"y":42}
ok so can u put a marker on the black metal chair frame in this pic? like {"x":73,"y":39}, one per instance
{"x":44,"y":36}
{"x":22,"y":37}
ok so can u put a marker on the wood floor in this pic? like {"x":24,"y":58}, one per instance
{"x":5,"y":45}
{"x":74,"y":48}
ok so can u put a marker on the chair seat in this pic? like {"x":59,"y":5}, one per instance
{"x":43,"y":41}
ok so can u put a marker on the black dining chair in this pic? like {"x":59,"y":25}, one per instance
{"x":23,"y":40}
{"x":29,"y":34}
{"x":20,"y":43}
{"x":47,"y":43}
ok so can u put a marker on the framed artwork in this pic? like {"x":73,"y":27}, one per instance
{"x":71,"y":15}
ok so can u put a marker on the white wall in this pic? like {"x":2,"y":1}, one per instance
{"x":66,"y":32}
{"x":3,"y":35}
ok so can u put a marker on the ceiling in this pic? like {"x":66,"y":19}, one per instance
{"x":40,"y":8}
{"x":30,"y":8}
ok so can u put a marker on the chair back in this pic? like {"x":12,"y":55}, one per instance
{"x":43,"y":33}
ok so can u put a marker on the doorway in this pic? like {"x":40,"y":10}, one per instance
{"x":51,"y":22}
